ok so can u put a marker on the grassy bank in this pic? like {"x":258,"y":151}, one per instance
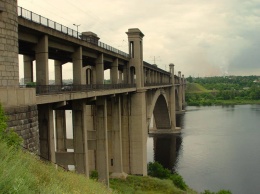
{"x":22,"y":172}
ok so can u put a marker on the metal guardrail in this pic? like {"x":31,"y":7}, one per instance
{"x":156,"y":84}
{"x":29,"y":15}
{"x":56,"y":89}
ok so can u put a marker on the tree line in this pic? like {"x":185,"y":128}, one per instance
{"x":224,"y":90}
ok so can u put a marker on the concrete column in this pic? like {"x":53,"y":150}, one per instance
{"x":42,"y":67}
{"x":180,"y":93}
{"x":60,"y":119}
{"x":46,"y":132}
{"x":94,"y":75}
{"x":58,"y":72}
{"x":102,"y":143}
{"x":80,"y":137}
{"x":120,"y":77}
{"x":117,"y":139}
{"x":126,"y":73}
{"x":138,"y":134}
{"x":114,"y":72}
{"x":172,"y":99}
{"x":28,"y":69}
{"x":125,"y":121}
{"x":183,"y":90}
{"x":149,"y":76}
{"x":77,"y":66}
{"x":100,"y":69}
{"x":135,"y":39}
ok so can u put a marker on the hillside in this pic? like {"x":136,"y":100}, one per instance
{"x":195,"y":88}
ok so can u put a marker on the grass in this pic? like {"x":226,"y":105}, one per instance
{"x":22,"y":172}
{"x":196,"y":88}
{"x":146,"y":185}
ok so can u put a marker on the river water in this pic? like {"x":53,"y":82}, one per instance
{"x":219,"y":148}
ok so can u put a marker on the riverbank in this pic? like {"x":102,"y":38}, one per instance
{"x":22,"y":172}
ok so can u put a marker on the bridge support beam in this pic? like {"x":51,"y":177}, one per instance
{"x":80,"y":137}
{"x":46,"y":132}
{"x":28,"y":69}
{"x":180,"y":92}
{"x":99,"y":70}
{"x":102,"y":143}
{"x":42,"y":67}
{"x":117,"y":139}
{"x":138,"y":134}
{"x":77,"y":66}
{"x":60,"y":122}
{"x":58,"y":72}
{"x":172,"y":100}
{"x":114,"y":72}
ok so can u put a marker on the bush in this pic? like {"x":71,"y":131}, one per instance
{"x":219,"y":192}
{"x":155,"y":169}
{"x":8,"y":135}
{"x":94,"y":175}
{"x":178,"y":181}
{"x":31,"y":84}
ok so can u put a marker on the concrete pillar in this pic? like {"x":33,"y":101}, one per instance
{"x":46,"y":132}
{"x":180,"y":93}
{"x":58,"y":72}
{"x":77,"y":66}
{"x":102,"y":143}
{"x":135,"y":39}
{"x":80,"y":137}
{"x":114,"y":72}
{"x":183,"y":90}
{"x":9,"y":68}
{"x":172,"y":99}
{"x":100,"y":69}
{"x":60,"y":127}
{"x":28,"y":69}
{"x":120,"y":77}
{"x":138,"y":134}
{"x":117,"y":139}
{"x":126,"y":74}
{"x":42,"y":67}
{"x":125,"y":122}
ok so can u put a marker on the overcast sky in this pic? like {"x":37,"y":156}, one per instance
{"x":201,"y":37}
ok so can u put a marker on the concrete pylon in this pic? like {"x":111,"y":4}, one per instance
{"x":117,"y":139}
{"x":180,"y":92}
{"x":78,"y":77}
{"x":102,"y":140}
{"x":42,"y":67}
{"x":172,"y":99}
{"x":46,"y":132}
{"x":80,"y":137}
{"x":58,"y":72}
{"x":28,"y":69}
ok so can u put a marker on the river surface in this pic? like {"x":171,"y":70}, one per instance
{"x":219,"y":148}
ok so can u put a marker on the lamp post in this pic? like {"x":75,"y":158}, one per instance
{"x":77,"y":25}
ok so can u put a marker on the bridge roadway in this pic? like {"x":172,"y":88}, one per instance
{"x":110,"y":122}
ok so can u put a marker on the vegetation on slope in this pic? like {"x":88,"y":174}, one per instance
{"x":22,"y":172}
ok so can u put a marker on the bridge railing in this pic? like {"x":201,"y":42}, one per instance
{"x":29,"y":15}
{"x":55,"y":89}
{"x":156,"y":84}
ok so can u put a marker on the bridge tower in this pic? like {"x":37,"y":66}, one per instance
{"x":138,"y":129}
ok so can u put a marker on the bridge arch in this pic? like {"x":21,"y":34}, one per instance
{"x":159,"y":109}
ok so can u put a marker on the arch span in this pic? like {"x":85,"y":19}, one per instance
{"x":159,"y":109}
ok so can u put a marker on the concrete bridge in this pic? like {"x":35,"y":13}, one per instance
{"x":111,"y":122}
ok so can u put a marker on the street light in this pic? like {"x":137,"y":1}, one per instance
{"x":77,"y":25}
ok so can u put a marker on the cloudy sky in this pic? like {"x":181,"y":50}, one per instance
{"x":201,"y":37}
